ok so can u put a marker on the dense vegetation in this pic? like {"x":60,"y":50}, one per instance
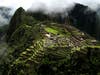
{"x":85,"y":19}
{"x":44,"y":46}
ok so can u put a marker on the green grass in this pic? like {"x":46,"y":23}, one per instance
{"x":51,"y":30}
{"x":56,"y":30}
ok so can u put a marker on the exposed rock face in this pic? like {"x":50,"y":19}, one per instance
{"x":46,"y":47}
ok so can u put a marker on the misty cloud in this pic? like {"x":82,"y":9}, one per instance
{"x":3,"y":21}
{"x":46,"y":6}
{"x":5,"y":15}
{"x":51,"y":5}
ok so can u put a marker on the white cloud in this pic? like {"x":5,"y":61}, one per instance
{"x":5,"y":15}
{"x":49,"y":3}
{"x":3,"y":20}
{"x":46,"y":5}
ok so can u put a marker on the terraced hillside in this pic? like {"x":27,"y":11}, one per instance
{"x":50,"y":48}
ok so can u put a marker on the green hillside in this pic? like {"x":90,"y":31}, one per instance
{"x":46,"y":47}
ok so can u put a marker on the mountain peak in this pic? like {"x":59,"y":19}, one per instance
{"x":20,"y":9}
{"x":16,"y":20}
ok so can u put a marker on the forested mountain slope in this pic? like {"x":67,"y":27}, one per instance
{"x":41,"y":45}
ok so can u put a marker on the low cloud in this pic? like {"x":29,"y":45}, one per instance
{"x":47,"y":6}
{"x":51,"y":5}
{"x":5,"y":15}
{"x":60,"y":6}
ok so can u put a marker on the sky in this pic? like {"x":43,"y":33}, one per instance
{"x":49,"y":3}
